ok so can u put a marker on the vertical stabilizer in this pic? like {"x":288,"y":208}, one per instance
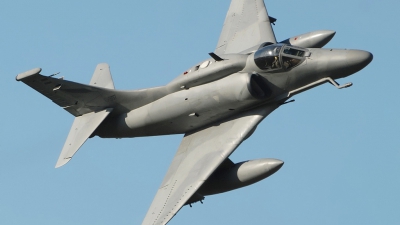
{"x":102,"y":77}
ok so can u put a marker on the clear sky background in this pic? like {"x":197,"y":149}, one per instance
{"x":340,"y":147}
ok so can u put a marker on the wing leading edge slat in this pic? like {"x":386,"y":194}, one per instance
{"x":199,"y":154}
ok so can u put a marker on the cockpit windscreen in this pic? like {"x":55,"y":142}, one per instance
{"x":293,"y":51}
{"x":278,"y":56}
{"x":267,"y":58}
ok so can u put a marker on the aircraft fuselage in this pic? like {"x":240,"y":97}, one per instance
{"x":214,"y":90}
{"x":217,"y":104}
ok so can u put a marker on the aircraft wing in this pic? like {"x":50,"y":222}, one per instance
{"x":198,"y":156}
{"x":247,"y":24}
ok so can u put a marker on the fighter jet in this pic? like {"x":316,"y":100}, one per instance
{"x":217,"y":104}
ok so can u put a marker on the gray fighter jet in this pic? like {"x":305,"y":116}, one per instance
{"x":217,"y":104}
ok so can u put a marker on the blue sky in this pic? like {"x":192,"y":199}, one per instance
{"x":340,"y":147}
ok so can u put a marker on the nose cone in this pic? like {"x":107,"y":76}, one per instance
{"x":256,"y":170}
{"x":274,"y":162}
{"x":272,"y":165}
{"x":339,"y":63}
{"x":325,"y":36}
{"x":357,"y":60}
{"x":329,"y":33}
{"x":315,"y":39}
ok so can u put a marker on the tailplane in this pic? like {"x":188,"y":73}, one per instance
{"x":82,"y":128}
{"x":90,"y":104}
{"x":78,"y":99}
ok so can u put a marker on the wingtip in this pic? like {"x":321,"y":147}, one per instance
{"x":62,"y":162}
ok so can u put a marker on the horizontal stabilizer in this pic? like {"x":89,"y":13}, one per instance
{"x":77,"y":99}
{"x":81,"y":130}
{"x":80,"y":99}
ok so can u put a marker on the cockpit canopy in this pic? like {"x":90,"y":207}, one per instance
{"x":279,"y":56}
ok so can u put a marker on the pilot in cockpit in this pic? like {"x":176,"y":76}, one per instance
{"x":276,"y":64}
{"x":269,"y":63}
{"x":272,"y":58}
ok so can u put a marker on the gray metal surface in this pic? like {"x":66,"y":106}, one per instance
{"x":216,"y":103}
{"x":79,"y":99}
{"x":102,"y":77}
{"x":239,"y":175}
{"x":315,"y":39}
{"x":81,"y":129}
{"x":246,"y":25}
{"x":199,"y":154}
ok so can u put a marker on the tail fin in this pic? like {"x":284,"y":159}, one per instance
{"x":102,"y":77}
